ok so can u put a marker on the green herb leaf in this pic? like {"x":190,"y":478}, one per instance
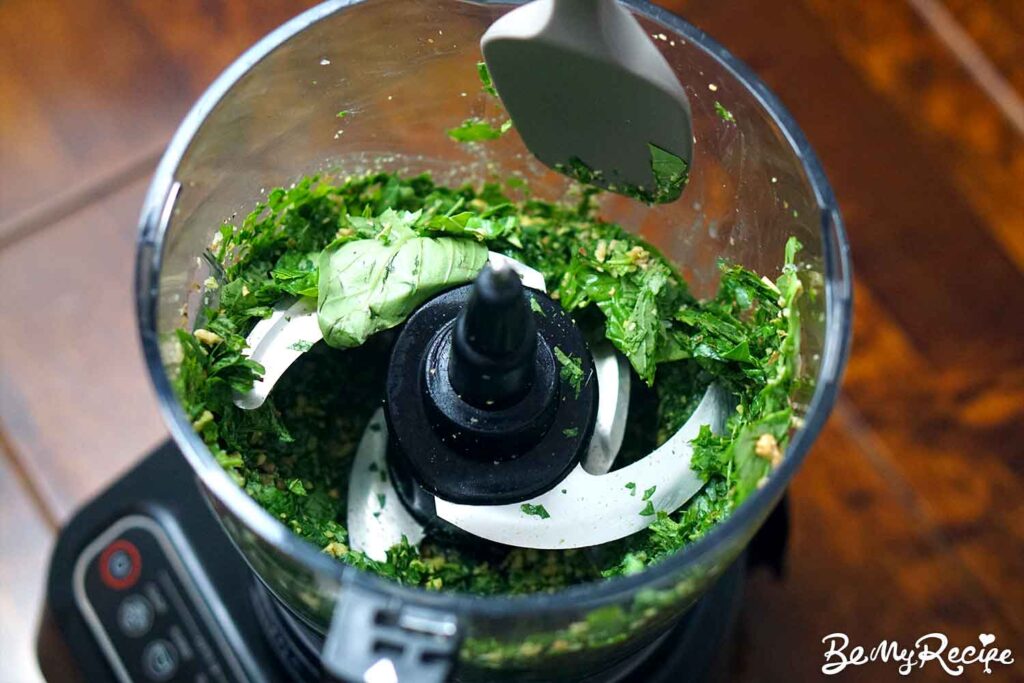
{"x":475,"y":130}
{"x":632,"y":488}
{"x":373,"y":284}
{"x":485,"y":79}
{"x":572,"y":370}
{"x":536,"y":308}
{"x":724,"y":113}
{"x":648,"y":509}
{"x":670,"y":174}
{"x":648,"y":493}
{"x":571,"y":432}
{"x":535,"y":510}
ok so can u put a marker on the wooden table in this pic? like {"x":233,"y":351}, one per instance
{"x":909,"y":514}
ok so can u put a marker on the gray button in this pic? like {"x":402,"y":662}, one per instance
{"x":135,"y":616}
{"x":119,"y":564}
{"x":160,"y":660}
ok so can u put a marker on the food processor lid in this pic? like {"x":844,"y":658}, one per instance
{"x":157,"y":213}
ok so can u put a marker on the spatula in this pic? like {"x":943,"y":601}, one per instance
{"x":591,"y":95}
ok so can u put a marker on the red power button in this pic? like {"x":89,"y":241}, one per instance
{"x":120,"y":564}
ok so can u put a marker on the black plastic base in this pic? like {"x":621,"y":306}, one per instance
{"x":269,"y":644}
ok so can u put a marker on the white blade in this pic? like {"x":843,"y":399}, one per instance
{"x":613,"y":383}
{"x":586,"y":510}
{"x":278,"y":341}
{"x":376,"y":518}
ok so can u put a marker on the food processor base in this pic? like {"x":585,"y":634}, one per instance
{"x":144,"y":585}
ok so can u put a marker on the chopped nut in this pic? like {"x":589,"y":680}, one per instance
{"x":336,"y":549}
{"x":207,"y":337}
{"x":203,"y":420}
{"x":639,"y":256}
{"x":530,"y":649}
{"x":768,"y":448}
{"x":560,"y":645}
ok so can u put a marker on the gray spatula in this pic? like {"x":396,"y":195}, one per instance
{"x":591,"y":96}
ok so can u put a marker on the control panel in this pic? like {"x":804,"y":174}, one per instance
{"x":145,"y":609}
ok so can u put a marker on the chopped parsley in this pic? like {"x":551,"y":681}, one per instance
{"x":571,"y":432}
{"x":535,"y":307}
{"x":649,"y":492}
{"x":475,"y":130}
{"x":486,"y":84}
{"x":293,"y":455}
{"x":572,"y":370}
{"x":301,"y":346}
{"x":535,"y":510}
{"x":670,"y":172}
{"x":724,"y":113}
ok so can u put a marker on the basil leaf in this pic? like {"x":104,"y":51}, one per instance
{"x":369,"y":285}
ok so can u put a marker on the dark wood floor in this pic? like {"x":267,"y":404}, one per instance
{"x":908,"y":517}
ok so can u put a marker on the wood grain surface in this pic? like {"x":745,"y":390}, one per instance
{"x":909,"y":514}
{"x":25,"y":539}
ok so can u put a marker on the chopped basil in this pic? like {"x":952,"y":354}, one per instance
{"x":724,"y":113}
{"x":535,"y":510}
{"x":572,"y":370}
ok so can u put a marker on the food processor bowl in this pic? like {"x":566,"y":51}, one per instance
{"x":405,"y":71}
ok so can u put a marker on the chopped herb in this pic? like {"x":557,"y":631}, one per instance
{"x":632,"y":488}
{"x":648,"y":493}
{"x":746,"y":338}
{"x":301,"y":346}
{"x":572,"y":370}
{"x":724,"y":113}
{"x":343,"y":113}
{"x":485,"y":79}
{"x":648,"y":509}
{"x":535,"y":510}
{"x":535,"y":307}
{"x":571,"y":432}
{"x":476,"y":130}
{"x":670,"y":174}
{"x":381,"y":500}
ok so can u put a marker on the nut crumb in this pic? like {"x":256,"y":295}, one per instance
{"x":206,"y":337}
{"x":768,"y":448}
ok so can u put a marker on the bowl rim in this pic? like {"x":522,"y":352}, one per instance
{"x":155,"y":217}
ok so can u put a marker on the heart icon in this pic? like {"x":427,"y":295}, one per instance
{"x":986,"y":639}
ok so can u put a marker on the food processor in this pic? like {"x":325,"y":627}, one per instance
{"x":175,"y":573}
